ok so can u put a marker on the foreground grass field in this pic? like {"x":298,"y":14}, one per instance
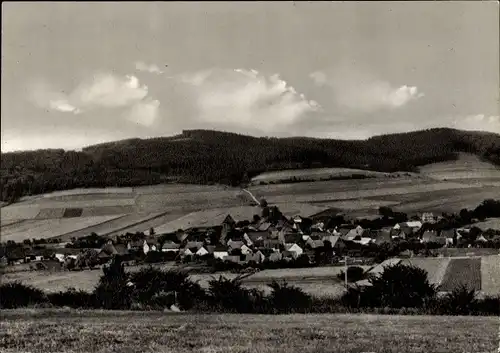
{"x":99,"y":331}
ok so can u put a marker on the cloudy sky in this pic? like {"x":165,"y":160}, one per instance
{"x":75,"y":74}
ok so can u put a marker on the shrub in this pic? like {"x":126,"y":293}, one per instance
{"x":285,"y":298}
{"x":461,"y":301}
{"x":488,"y":305}
{"x":154,"y":286}
{"x":229,"y":295}
{"x":113,"y":291}
{"x":354,"y":274}
{"x":73,"y":299}
{"x":17,"y":295}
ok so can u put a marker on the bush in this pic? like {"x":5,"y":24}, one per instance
{"x":354,"y":274}
{"x":461,"y":301}
{"x":488,"y":306}
{"x":229,"y":295}
{"x":73,"y":299}
{"x":113,"y":290}
{"x":17,"y":295}
{"x":288,"y":299}
{"x":154,"y":287}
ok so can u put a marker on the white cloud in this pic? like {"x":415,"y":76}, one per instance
{"x":152,"y":68}
{"x":101,"y":91}
{"x":479,"y":122}
{"x":365,"y":93}
{"x":108,"y":91}
{"x":144,"y":112}
{"x":247,"y":99}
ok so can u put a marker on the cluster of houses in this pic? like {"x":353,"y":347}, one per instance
{"x":261,"y":240}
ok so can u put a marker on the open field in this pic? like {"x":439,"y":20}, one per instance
{"x":49,"y":228}
{"x":478,"y":273}
{"x":45,"y":330}
{"x":321,"y":281}
{"x":492,"y":223}
{"x":314,"y":173}
{"x":173,"y":206}
{"x":468,"y":166}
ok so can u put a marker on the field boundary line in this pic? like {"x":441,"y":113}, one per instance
{"x":137,"y":223}
{"x":94,"y":225}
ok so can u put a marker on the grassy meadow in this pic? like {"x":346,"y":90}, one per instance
{"x":44,"y":330}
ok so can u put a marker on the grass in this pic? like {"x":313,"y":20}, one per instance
{"x":98,"y":331}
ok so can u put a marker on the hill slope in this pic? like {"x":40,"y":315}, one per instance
{"x":202,"y":156}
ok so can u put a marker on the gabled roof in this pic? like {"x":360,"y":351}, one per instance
{"x":235,"y":244}
{"x":288,"y":247}
{"x":109,"y":249}
{"x":170,"y":245}
{"x":264,"y":226}
{"x":194,"y":244}
{"x":229,"y":220}
{"x":316,"y":243}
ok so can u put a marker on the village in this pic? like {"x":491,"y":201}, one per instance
{"x":269,"y":240}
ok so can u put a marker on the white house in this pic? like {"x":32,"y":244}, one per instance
{"x":294,"y":248}
{"x":202,"y":251}
{"x":245,"y":250}
{"x":220,"y":254}
{"x":148,"y":247}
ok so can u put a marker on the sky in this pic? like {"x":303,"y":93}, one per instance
{"x":76,"y":74}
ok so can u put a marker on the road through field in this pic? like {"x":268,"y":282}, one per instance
{"x":42,"y":330}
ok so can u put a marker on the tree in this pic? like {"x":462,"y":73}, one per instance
{"x":263,"y":203}
{"x":400,"y":286}
{"x":113,"y":290}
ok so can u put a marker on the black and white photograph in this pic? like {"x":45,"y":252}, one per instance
{"x":250,"y":176}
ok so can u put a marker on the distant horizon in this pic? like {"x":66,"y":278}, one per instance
{"x":79,"y":74}
{"x":242,"y":134}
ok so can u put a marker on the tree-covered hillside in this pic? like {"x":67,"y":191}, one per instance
{"x":204,"y":156}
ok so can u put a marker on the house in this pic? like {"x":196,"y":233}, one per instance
{"x":202,"y":251}
{"x":275,"y":256}
{"x":135,"y":245}
{"x":272,"y":243}
{"x":170,"y":246}
{"x":232,"y":258}
{"x":314,"y":243}
{"x":219,"y":252}
{"x":264,"y":226}
{"x":362,"y":240}
{"x":291,"y":238}
{"x":428,"y":217}
{"x":260,"y":256}
{"x":293,"y":247}
{"x":432,"y":237}
{"x":449,"y":235}
{"x":253,"y":257}
{"x":414,"y":225}
{"x":235,"y":244}
{"x":384,"y":236}
{"x":255,"y":238}
{"x":352,"y":233}
{"x":150,"y":244}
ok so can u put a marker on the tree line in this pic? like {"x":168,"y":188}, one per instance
{"x":204,"y":157}
{"x":399,"y":289}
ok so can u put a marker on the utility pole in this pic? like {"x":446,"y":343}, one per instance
{"x":345,"y":270}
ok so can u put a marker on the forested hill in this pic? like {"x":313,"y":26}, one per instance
{"x":204,"y":156}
